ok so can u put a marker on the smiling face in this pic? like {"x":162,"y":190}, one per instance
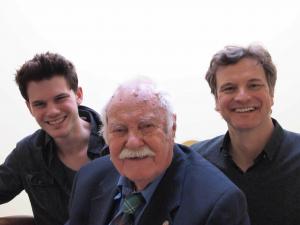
{"x":54,"y":106}
{"x":243,"y":96}
{"x":139,"y":138}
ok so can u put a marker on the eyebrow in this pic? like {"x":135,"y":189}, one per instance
{"x":255,"y":79}
{"x":62,"y":95}
{"x":37,"y":102}
{"x":227,"y":84}
{"x":56,"y":96}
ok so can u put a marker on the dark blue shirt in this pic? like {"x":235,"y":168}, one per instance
{"x":272,"y":183}
{"x":125,"y":187}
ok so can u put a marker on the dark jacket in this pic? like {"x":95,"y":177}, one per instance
{"x":272,"y":183}
{"x":33,"y":166}
{"x":191,"y":192}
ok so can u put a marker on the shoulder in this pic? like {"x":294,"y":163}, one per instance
{"x":204,"y":147}
{"x":34,"y":139}
{"x":206,"y":188}
{"x":28,"y":153}
{"x":31,"y":143}
{"x":206,"y":174}
{"x":291,"y":136}
{"x":286,"y":138}
{"x":290,"y":147}
{"x":200,"y":171}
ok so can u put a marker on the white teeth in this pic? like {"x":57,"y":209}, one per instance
{"x":55,"y":122}
{"x":248,"y":109}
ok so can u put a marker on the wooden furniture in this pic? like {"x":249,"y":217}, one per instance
{"x":187,"y":143}
{"x":17,"y":220}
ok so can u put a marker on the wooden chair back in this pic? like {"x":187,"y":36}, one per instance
{"x":17,"y":220}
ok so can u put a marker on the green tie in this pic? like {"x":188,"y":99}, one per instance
{"x":130,"y":205}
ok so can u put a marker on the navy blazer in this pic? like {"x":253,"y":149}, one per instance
{"x":192,"y":192}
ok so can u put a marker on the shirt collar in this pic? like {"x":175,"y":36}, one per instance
{"x":274,"y":142}
{"x":270,"y":148}
{"x":95,"y":141}
{"x":125,"y":187}
{"x":225,"y":144}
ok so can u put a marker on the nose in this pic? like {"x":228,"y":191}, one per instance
{"x":52,"y":109}
{"x":242,"y":95}
{"x":134,"y":140}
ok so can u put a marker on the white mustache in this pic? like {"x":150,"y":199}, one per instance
{"x":137,"y":153}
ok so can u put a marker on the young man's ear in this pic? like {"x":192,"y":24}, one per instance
{"x":79,"y":95}
{"x":217,"y":104}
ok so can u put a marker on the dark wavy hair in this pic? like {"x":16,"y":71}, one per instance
{"x":233,"y":54}
{"x":45,"y":66}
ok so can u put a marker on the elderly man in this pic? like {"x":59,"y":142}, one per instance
{"x":148,"y":179}
{"x":256,"y":153}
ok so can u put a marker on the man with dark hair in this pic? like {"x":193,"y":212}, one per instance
{"x":148,"y":179}
{"x":256,"y":153}
{"x":44,"y":163}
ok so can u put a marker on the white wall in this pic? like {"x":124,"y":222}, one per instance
{"x":171,"y":41}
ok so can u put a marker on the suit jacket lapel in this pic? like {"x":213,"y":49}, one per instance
{"x":102,"y":201}
{"x":166,"y":199}
{"x":102,"y":208}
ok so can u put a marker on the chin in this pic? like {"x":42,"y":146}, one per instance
{"x":138,"y":175}
{"x":58,"y":134}
{"x":141,"y":181}
{"x":243,"y":126}
{"x":141,"y":174}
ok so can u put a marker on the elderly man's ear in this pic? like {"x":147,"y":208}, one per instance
{"x":174,"y":126}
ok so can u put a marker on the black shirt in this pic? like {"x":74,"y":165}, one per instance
{"x":33,"y":166}
{"x":271,"y":184}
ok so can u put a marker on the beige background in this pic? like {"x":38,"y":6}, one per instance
{"x":170,"y":41}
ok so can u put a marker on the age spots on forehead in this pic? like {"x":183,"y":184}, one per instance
{"x":136,"y":94}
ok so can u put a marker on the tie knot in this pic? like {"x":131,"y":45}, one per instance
{"x":132,"y":202}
